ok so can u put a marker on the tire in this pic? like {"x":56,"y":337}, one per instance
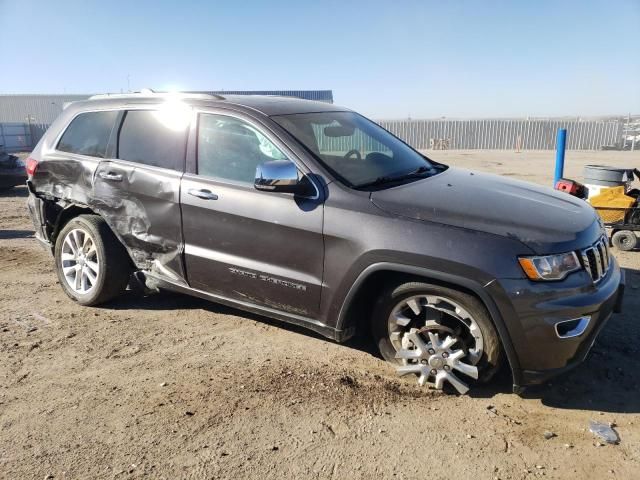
{"x":104,"y":253}
{"x":491,"y":358}
{"x":624,"y":240}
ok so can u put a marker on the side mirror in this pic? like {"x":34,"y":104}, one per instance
{"x":282,"y":176}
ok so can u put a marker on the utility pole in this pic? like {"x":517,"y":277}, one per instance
{"x":30,"y":119}
{"x":625,"y":131}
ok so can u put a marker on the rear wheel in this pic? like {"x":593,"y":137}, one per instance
{"x":440,"y":334}
{"x":92,"y":265}
{"x":624,"y":240}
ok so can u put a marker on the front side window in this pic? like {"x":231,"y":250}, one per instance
{"x":88,"y":134}
{"x":153,"y":137}
{"x":231,"y":149}
{"x":358,"y":151}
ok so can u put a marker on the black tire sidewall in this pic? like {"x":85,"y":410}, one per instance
{"x":90,"y":297}
{"x":492,"y":352}
{"x":621,"y":236}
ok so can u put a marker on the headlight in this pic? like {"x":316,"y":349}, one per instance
{"x":550,"y":267}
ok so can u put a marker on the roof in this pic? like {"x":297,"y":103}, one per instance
{"x":267,"y":105}
{"x":270,"y":105}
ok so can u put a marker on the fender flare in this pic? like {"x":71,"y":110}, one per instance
{"x":449,"y":278}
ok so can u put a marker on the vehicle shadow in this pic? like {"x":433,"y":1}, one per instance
{"x":608,"y":381}
{"x":133,"y":300}
{"x":167,"y":300}
{"x":10,"y":234}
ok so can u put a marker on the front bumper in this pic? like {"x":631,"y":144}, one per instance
{"x":531,"y":311}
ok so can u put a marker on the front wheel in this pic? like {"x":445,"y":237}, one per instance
{"x":438,"y":333}
{"x":92,"y":265}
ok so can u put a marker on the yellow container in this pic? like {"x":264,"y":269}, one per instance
{"x":614,"y":202}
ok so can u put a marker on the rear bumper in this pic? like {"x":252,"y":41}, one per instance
{"x":36,"y":210}
{"x":532,"y":311}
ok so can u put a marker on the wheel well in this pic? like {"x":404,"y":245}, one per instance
{"x":359,"y":310}
{"x":62,"y":217}
{"x":57,"y":218}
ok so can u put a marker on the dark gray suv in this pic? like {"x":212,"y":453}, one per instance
{"x":310,"y":213}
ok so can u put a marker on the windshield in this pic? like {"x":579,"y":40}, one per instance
{"x":359,"y":152}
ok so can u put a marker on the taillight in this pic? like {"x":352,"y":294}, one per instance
{"x":32,"y":165}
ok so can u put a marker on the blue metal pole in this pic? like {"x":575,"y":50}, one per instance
{"x":561,"y":144}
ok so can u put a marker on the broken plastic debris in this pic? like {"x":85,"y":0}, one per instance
{"x":604,"y":431}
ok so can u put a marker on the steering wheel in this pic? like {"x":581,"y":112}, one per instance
{"x":353,"y":152}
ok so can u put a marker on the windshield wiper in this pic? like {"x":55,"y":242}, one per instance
{"x":418,"y":172}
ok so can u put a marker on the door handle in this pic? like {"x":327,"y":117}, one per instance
{"x":203,"y":194}
{"x":110,"y":176}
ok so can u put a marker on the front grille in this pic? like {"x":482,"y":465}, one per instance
{"x":596,"y":259}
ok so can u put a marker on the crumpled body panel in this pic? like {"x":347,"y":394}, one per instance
{"x":142,"y":207}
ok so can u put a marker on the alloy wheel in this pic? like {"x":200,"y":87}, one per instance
{"x":79,"y":261}
{"x":437,"y":339}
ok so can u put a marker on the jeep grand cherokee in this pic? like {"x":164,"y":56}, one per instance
{"x":310,"y":213}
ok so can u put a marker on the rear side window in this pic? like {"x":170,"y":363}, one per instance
{"x":153,"y":138}
{"x":88,"y":134}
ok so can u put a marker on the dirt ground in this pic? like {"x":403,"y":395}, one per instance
{"x":169,"y":386}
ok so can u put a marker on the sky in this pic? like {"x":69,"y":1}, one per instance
{"x":386,"y":59}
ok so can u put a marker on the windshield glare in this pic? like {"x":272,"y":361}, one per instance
{"x":357,"y":150}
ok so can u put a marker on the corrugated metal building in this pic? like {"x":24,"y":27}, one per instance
{"x":25,"y":118}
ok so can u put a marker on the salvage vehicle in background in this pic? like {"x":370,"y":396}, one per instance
{"x":12,"y":171}
{"x":310,"y":213}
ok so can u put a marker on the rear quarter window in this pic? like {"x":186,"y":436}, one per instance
{"x":152,"y":138}
{"x":88,"y":134}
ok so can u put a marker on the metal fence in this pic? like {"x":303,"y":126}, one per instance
{"x":24,"y":119}
{"x":515,"y":134}
{"x":15,"y":137}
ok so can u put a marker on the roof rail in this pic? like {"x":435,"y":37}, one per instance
{"x":147,"y":92}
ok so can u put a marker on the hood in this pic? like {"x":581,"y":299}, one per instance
{"x":545,"y":220}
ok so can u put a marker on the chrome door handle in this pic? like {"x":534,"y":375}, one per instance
{"x":203,"y":194}
{"x":112,"y":177}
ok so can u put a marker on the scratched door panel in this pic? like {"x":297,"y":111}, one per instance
{"x":260,"y":247}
